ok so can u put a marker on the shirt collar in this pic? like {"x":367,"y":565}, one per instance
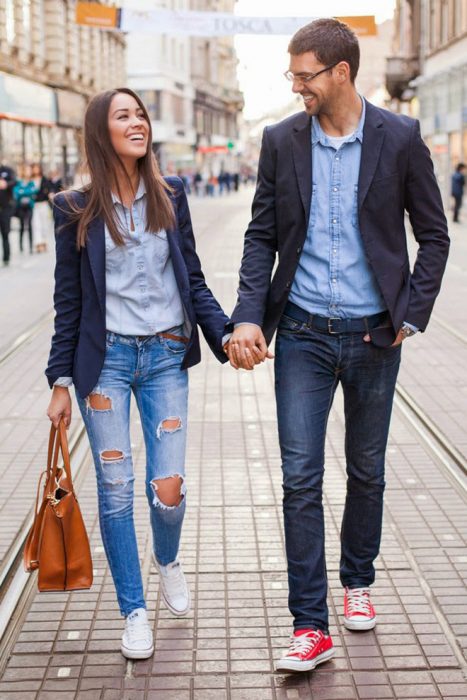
{"x":140,"y":192}
{"x":318,"y":135}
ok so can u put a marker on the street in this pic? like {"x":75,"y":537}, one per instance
{"x":66,"y":646}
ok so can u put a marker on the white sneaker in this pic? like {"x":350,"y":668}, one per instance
{"x":137,"y":641}
{"x":174,"y":588}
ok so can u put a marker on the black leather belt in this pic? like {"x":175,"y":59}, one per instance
{"x":334,"y":326}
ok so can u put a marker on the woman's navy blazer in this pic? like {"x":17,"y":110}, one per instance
{"x":79,"y":341}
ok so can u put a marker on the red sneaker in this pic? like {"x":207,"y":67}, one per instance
{"x":359,"y":614}
{"x":307,"y":649}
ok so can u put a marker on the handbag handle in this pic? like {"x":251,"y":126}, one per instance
{"x":58,"y":442}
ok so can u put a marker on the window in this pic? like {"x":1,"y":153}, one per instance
{"x":152,"y":102}
{"x":10,"y":21}
{"x":27,"y":25}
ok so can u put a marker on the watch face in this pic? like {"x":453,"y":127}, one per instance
{"x":407,"y":331}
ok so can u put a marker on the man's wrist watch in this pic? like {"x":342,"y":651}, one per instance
{"x":407,"y":331}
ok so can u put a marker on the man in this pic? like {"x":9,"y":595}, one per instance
{"x":7,"y":181}
{"x":457,"y":189}
{"x":333,"y":184}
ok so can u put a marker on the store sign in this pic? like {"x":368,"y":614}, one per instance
{"x":26,"y":101}
{"x":92,"y":14}
{"x":70,"y":108}
{"x":202,"y":23}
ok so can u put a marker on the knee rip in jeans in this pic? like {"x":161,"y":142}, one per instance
{"x":98,"y":402}
{"x":109,"y":457}
{"x":169,"y":491}
{"x":169,"y":425}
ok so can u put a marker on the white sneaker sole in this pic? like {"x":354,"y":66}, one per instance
{"x":291,"y":665}
{"x":359,"y":625}
{"x":174,"y":611}
{"x":137,"y":653}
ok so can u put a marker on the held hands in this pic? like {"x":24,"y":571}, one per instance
{"x":60,"y":406}
{"x":247,"y":347}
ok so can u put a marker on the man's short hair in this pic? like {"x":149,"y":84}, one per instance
{"x":330,"y":40}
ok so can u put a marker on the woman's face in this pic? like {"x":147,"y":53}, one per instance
{"x":128,"y":128}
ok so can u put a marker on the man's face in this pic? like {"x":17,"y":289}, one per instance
{"x":316,"y":92}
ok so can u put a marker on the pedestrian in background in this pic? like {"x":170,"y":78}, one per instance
{"x":333,"y":183}
{"x":24,"y":193}
{"x":457,"y":189}
{"x":55,"y":184}
{"x":129,"y":294}
{"x":41,"y":218}
{"x":7,"y":182}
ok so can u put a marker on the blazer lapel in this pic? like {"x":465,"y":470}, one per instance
{"x":95,"y":246}
{"x":373,"y":137}
{"x":301,"y":151}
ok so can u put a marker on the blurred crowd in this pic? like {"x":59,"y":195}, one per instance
{"x":210,"y":185}
{"x":27,"y":194}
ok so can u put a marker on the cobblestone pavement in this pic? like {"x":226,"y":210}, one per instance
{"x":232,"y":545}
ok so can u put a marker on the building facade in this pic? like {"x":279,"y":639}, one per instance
{"x":218,"y":100}
{"x":427,"y":77}
{"x":189,"y":85}
{"x":49,"y":67}
{"x":159,"y":70}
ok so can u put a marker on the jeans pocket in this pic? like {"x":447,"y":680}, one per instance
{"x":109,"y":340}
{"x":289,"y":325}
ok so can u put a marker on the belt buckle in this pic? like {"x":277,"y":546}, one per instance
{"x":330,"y":320}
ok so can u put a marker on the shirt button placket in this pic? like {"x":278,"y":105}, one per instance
{"x":335,"y":213}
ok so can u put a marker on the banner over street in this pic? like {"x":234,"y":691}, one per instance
{"x":202,"y":23}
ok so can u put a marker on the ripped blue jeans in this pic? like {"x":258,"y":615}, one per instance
{"x":150,"y":368}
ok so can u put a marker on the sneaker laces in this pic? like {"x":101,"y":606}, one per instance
{"x":358,"y":601}
{"x":137,"y":629}
{"x":304,"y":643}
{"x":176,"y":579}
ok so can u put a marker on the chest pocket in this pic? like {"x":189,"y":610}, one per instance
{"x":114,"y":255}
{"x":159,"y":246}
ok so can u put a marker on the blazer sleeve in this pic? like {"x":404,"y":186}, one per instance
{"x":209,"y":315}
{"x":425,"y":208}
{"x":260,"y":246}
{"x":67,"y":294}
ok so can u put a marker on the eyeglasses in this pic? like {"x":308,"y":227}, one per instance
{"x":305,"y":78}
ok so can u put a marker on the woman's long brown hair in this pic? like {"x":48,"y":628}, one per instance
{"x":102,"y":164}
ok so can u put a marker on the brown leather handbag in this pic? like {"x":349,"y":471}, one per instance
{"x":58,"y":543}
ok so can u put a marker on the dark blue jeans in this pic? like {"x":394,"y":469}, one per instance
{"x":309,"y":364}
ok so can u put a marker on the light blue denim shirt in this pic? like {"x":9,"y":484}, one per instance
{"x":333,"y":277}
{"x":142,"y":296}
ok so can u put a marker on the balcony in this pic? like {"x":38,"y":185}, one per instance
{"x":400,"y":71}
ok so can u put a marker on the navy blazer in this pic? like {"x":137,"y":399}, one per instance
{"x":396,"y":175}
{"x":78,"y":344}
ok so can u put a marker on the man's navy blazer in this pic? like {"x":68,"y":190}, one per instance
{"x":396,"y":175}
{"x":79,"y":341}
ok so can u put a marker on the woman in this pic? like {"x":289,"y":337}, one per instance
{"x":129,"y":295}
{"x":41,"y":222}
{"x":24,"y":193}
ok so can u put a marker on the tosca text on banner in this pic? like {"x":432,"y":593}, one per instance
{"x":202,"y":23}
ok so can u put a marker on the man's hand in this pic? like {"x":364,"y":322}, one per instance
{"x":247,"y":347}
{"x":60,"y":406}
{"x":398,"y":340}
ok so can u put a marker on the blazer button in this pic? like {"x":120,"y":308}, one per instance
{"x":288,"y":285}
{"x":299,"y":250}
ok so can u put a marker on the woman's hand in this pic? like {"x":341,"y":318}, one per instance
{"x":60,"y":406}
